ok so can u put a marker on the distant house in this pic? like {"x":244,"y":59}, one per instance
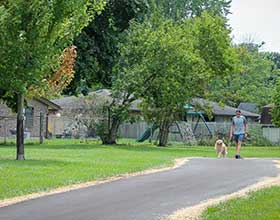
{"x":32,"y":112}
{"x":72,"y":104}
{"x":76,"y":109}
{"x":224,"y":113}
{"x":266,"y":118}
{"x":249,"y":107}
{"x":72,"y":107}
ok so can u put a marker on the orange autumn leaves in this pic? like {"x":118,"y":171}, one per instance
{"x":58,"y":80}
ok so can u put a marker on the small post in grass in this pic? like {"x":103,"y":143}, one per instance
{"x":5,"y":130}
{"x":41,"y":128}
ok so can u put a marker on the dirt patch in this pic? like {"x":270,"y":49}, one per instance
{"x":194,"y":212}
{"x":177,"y":163}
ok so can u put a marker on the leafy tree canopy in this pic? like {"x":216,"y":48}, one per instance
{"x":33,"y":35}
{"x":98,"y":44}
{"x":276,"y":107}
{"x":254,"y":82}
{"x":166,"y":63}
{"x":182,"y":9}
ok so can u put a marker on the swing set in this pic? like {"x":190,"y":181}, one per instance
{"x":190,"y":112}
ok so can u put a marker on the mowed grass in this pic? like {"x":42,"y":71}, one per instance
{"x":260,"y":205}
{"x":64,"y":162}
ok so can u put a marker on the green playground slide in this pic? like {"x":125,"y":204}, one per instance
{"x":146,"y":135}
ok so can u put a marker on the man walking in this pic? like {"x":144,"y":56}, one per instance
{"x":238,"y":131}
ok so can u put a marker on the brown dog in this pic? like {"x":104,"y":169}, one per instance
{"x":221,"y":149}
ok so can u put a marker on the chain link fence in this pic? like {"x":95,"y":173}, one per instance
{"x":34,"y":128}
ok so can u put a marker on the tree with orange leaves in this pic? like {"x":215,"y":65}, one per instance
{"x":58,"y":80}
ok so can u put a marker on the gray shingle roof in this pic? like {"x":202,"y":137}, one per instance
{"x":222,"y":110}
{"x":248,"y":106}
{"x":74,"y":102}
{"x":71,"y":102}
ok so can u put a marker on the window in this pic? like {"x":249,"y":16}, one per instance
{"x":29,"y":116}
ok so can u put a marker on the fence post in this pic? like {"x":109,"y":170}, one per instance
{"x":41,"y":128}
{"x":5,"y":130}
{"x":47,"y":126}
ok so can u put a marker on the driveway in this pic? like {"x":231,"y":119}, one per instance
{"x":146,"y":197}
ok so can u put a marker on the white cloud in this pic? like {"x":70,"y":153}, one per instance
{"x":258,"y":19}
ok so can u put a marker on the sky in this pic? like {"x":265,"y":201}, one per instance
{"x":258,"y":20}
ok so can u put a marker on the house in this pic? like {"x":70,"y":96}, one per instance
{"x":79,"y":113}
{"x":35,"y":108}
{"x":223,"y":113}
{"x":73,"y":105}
{"x":76,"y":109}
{"x":219,"y":113}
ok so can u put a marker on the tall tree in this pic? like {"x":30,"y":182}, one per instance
{"x":59,"y":79}
{"x":275,"y":57}
{"x":166,"y":64}
{"x":275,"y":68}
{"x":254,"y":82}
{"x":98,"y":44}
{"x":182,"y":9}
{"x":276,"y":108}
{"x":33,"y":34}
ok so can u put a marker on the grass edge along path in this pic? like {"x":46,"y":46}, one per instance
{"x":196,"y":212}
{"x":62,"y":163}
{"x":10,"y":201}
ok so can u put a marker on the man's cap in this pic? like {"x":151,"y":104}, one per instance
{"x":238,"y":110}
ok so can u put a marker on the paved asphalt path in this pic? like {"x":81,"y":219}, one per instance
{"x":146,"y":197}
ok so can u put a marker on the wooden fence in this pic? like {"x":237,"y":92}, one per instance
{"x":135,"y":130}
{"x":272,"y":134}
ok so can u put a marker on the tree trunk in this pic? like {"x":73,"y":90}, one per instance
{"x":163,"y":134}
{"x":20,"y":129}
{"x":111,"y":136}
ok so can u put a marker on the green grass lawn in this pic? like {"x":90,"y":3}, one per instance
{"x":260,"y":205}
{"x":63,"y":162}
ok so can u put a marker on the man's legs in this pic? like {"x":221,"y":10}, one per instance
{"x":238,"y":139}
{"x":238,"y":147}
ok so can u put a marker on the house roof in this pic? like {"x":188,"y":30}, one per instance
{"x":71,"y":102}
{"x":75,"y":103}
{"x":248,"y":106}
{"x":222,"y":110}
{"x":51,"y":105}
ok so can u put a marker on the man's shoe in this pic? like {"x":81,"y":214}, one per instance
{"x":238,"y":156}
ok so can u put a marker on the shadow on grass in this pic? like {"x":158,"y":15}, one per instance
{"x":54,"y":146}
{"x":137,"y":147}
{"x":33,"y":162}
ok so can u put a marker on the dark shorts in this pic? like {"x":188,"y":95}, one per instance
{"x":238,"y":137}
